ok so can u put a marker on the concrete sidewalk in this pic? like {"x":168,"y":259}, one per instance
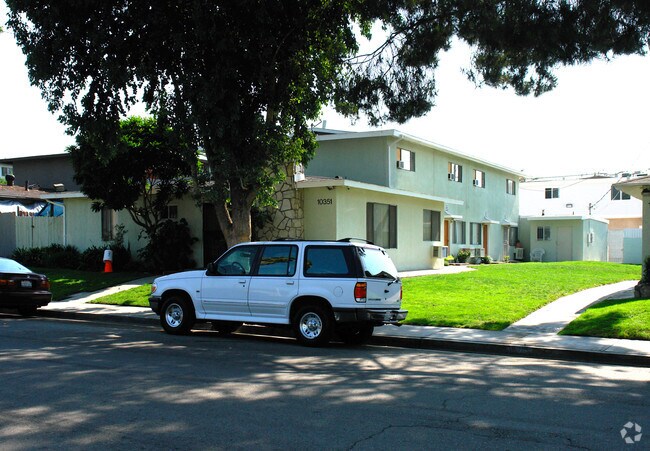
{"x":534,"y":335}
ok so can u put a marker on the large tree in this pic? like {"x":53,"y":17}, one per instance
{"x":243,"y":79}
{"x":141,"y":172}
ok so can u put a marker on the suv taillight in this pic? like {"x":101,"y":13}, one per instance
{"x":360,"y":291}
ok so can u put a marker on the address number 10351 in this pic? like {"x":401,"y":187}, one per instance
{"x":325,"y":201}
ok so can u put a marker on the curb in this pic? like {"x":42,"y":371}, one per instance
{"x":401,"y":342}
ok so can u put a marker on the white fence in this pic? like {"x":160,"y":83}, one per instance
{"x":28,"y":231}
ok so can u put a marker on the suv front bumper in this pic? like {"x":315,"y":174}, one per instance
{"x":377,"y":316}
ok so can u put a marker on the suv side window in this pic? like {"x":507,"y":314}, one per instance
{"x":238,"y":262}
{"x":278,"y":261}
{"x":329,"y":261}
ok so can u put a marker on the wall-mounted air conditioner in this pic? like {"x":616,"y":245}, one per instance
{"x":451,"y":177}
{"x":440,"y":251}
{"x":476,"y":183}
{"x":519,"y":253}
{"x":400,"y":164}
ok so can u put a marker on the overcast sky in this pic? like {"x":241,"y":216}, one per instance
{"x":596,"y":120}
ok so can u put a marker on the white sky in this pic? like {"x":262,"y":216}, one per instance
{"x":595,"y":120}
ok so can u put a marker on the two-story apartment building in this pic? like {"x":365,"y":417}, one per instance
{"x":417,"y":199}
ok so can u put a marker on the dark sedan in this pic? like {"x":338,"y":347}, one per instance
{"x":22,"y":289}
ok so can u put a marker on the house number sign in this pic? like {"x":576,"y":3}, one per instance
{"x":327,"y":201}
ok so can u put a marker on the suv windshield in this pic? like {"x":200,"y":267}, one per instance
{"x":377,"y":264}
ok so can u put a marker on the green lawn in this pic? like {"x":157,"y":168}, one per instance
{"x":495,"y":296}
{"x":66,"y":282}
{"x":616,"y":318}
{"x":138,"y":297}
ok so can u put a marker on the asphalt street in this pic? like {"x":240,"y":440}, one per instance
{"x":87,"y":385}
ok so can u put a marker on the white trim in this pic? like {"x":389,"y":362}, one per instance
{"x":311,"y":182}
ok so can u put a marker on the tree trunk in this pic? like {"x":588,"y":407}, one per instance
{"x":235,"y":218}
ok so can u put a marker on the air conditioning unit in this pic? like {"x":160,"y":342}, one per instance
{"x":451,"y":177}
{"x":477,"y":183}
{"x":519,"y":253}
{"x":400,"y":164}
{"x":440,"y":251}
{"x":480,"y":252}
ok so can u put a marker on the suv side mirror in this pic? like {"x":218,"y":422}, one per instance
{"x":211,"y":269}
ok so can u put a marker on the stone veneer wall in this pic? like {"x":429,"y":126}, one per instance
{"x":287,"y":219}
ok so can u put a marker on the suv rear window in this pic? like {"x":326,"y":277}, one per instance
{"x":376,"y":263}
{"x":329,"y":261}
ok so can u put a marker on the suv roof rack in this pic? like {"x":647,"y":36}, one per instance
{"x":349,"y":240}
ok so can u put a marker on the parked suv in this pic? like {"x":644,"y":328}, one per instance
{"x":319,"y":288}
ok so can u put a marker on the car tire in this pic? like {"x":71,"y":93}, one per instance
{"x":355,"y":334}
{"x":27,"y":311}
{"x":313,"y":325}
{"x":177,"y":316}
{"x":226,"y":327}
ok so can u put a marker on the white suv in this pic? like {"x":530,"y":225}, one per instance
{"x":319,"y":288}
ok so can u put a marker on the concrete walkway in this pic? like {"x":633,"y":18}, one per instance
{"x":534,"y":335}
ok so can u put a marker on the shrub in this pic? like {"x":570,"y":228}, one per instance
{"x":463,"y":255}
{"x":486,"y":260}
{"x":57,"y":256}
{"x":449,"y":259}
{"x":170,"y":249}
{"x":28,"y":256}
{"x":92,"y":259}
{"x":645,"y":272}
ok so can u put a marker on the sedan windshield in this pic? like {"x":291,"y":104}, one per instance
{"x":377,"y":264}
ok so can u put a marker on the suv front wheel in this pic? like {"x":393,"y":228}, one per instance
{"x":177,"y":316}
{"x":313,"y":325}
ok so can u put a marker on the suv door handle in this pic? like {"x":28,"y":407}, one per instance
{"x":290,"y":282}
{"x":243,"y":282}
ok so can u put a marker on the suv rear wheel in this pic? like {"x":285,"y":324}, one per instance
{"x":177,"y":315}
{"x":313,"y":325}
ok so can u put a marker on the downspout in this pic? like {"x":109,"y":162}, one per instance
{"x":60,"y":204}
{"x":390,"y":168}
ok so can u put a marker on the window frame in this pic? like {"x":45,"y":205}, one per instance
{"x":409,"y":162}
{"x":475,"y":228}
{"x":551,"y":193}
{"x":107,"y":220}
{"x":511,"y":187}
{"x":433,"y":232}
{"x":479,"y":178}
{"x":459,"y":225}
{"x":455,"y":172}
{"x":545,"y":234}
{"x":371,"y":232}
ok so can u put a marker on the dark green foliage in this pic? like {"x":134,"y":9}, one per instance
{"x":645,"y":271}
{"x":463,"y":255}
{"x":170,"y":249}
{"x":243,"y":80}
{"x":142,"y":172}
{"x":53,"y":256}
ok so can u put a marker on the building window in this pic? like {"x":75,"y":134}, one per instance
{"x":405,"y":159}
{"x":381,"y":225}
{"x":108,"y":223}
{"x":6,"y":170}
{"x":543,"y":233}
{"x":460,"y":236}
{"x":475,"y":236}
{"x":551,"y":193}
{"x":170,"y":212}
{"x":431,"y":225}
{"x":513,"y":236}
{"x":510,"y":187}
{"x":455,"y":172}
{"x":619,"y":195}
{"x":479,"y":178}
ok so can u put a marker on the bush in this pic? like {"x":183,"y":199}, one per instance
{"x":486,"y":260}
{"x":463,"y":255}
{"x":645,"y":272}
{"x":449,"y":259}
{"x":170,"y":249}
{"x":53,"y":256}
